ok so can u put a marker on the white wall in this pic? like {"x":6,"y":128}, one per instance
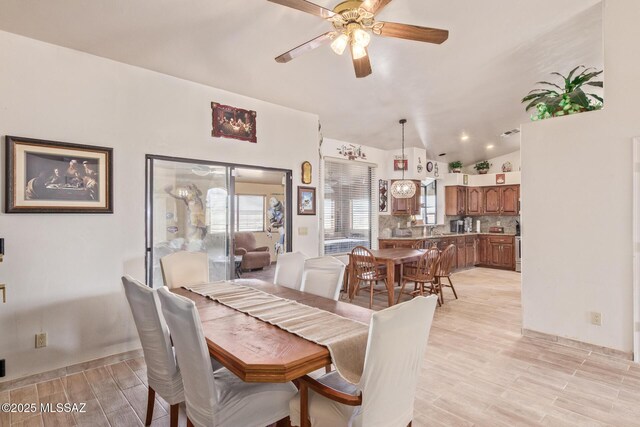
{"x":63,"y":271}
{"x":577,"y":208}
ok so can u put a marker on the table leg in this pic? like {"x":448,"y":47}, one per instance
{"x":391,"y":270}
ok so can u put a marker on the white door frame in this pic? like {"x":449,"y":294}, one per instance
{"x":636,"y":249}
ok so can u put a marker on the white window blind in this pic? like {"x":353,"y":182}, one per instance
{"x":348,"y":206}
{"x":249,"y":213}
{"x":217,"y":210}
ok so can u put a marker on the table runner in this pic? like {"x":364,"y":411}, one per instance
{"x":346,"y":339}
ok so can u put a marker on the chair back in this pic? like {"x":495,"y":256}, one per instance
{"x":289,"y":268}
{"x":395,"y":352}
{"x":428,"y":265}
{"x":185,"y":268}
{"x":446,"y":261}
{"x":364,"y":263}
{"x":193,"y":357}
{"x":162,"y":372}
{"x":323,"y":276}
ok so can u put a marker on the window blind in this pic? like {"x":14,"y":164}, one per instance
{"x":348,"y":206}
{"x":250,"y":212}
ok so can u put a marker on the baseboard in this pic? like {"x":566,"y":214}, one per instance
{"x":68,"y":370}
{"x":578,"y":344}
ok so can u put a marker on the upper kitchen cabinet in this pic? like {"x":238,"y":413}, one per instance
{"x":455,"y":200}
{"x":410,"y":206}
{"x":492,"y":200}
{"x":474,"y":201}
{"x":510,"y":200}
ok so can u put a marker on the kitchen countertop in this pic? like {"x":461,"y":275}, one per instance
{"x":447,"y":235}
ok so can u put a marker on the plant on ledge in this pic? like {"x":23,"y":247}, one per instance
{"x":482,"y":167}
{"x":555,"y":100}
{"x":456,"y":166}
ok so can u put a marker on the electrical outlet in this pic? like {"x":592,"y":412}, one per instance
{"x":596,"y":318}
{"x":498,"y":223}
{"x":41,"y":340}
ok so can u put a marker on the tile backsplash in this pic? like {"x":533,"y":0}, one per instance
{"x":387,"y":223}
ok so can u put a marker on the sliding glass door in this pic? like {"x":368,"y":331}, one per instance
{"x":188,"y":209}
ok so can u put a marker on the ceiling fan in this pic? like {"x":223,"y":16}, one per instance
{"x":354,"y":22}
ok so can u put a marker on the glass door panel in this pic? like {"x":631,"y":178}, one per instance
{"x":187,"y":210}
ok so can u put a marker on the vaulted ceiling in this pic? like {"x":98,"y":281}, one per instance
{"x":470,"y":85}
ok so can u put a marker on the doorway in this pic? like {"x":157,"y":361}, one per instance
{"x":198,"y":206}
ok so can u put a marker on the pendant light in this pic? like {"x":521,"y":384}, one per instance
{"x":405,"y":188}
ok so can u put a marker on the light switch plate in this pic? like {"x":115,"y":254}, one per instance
{"x":596,"y":318}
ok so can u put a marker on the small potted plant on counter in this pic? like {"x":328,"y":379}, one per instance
{"x":456,"y":166}
{"x":482,"y":167}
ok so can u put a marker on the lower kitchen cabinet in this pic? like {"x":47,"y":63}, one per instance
{"x":497,"y":252}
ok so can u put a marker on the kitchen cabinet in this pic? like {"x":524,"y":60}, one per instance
{"x":491,"y":200}
{"x":455,"y":200}
{"x":510,"y":200}
{"x":461,"y":252}
{"x":497,"y":252}
{"x":474,"y":201}
{"x":410,"y":206}
{"x":470,"y":251}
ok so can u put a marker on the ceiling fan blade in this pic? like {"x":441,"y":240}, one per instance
{"x":375,"y":6}
{"x":413,"y":32}
{"x":304,"y":48}
{"x":362,"y":65}
{"x":306,"y":6}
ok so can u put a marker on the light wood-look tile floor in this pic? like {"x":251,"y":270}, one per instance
{"x":478,"y":370}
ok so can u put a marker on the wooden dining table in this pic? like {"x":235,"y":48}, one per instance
{"x":390,"y":258}
{"x":257,"y":351}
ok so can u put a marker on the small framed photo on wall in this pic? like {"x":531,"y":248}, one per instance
{"x":306,"y":201}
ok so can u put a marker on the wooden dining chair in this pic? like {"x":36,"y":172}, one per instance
{"x":422,"y":275}
{"x":217,"y":398}
{"x":367,"y":272}
{"x":185,"y":268}
{"x":444,"y":270}
{"x":385,"y":394}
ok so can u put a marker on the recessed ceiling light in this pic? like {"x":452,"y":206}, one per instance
{"x":464,"y":137}
{"x":489,"y":147}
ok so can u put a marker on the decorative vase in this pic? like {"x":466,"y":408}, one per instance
{"x":483,"y":171}
{"x":456,"y":170}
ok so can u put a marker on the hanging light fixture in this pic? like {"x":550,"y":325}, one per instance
{"x":405,"y":188}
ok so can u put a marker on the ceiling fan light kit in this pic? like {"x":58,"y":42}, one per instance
{"x":353,"y":23}
{"x":404,"y":188}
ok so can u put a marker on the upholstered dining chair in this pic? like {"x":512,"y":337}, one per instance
{"x":444,"y":271}
{"x":323,"y":276}
{"x":422,"y":275}
{"x":367,"y":271}
{"x":386,"y":391}
{"x":345,"y":260}
{"x":217,"y":399}
{"x":163,"y":375}
{"x":185,"y":268}
{"x":289,"y":268}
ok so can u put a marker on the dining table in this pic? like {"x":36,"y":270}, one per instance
{"x":390,"y":258}
{"x":257,"y":351}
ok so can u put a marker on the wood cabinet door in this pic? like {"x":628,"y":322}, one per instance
{"x":491,"y":200}
{"x":462,"y":200}
{"x":451,"y":201}
{"x":509,"y":196}
{"x":495,"y":254}
{"x":400,"y":206}
{"x":470,"y":254}
{"x":416,"y":207}
{"x":474,"y":201}
{"x":507,"y":256}
{"x":461,"y":255}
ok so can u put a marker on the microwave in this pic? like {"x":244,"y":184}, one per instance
{"x":457,"y":226}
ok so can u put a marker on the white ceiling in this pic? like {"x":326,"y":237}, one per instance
{"x":470,"y":84}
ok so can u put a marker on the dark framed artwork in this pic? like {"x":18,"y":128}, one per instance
{"x":57,"y":177}
{"x":383,"y":190}
{"x":231,"y":122}
{"x":500,"y":178}
{"x":400,"y":165}
{"x":306,"y":201}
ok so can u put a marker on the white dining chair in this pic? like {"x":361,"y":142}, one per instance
{"x":185,"y":268}
{"x":163,"y":375}
{"x":217,"y":399}
{"x":323,"y":276}
{"x":289,"y":268}
{"x":385,"y":395}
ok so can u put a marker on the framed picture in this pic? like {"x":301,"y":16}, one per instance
{"x":231,"y":122}
{"x":306,"y":201}
{"x":383,"y":189}
{"x":429,"y":166}
{"x":500,"y":178}
{"x":57,"y":177}
{"x":399,"y":165}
